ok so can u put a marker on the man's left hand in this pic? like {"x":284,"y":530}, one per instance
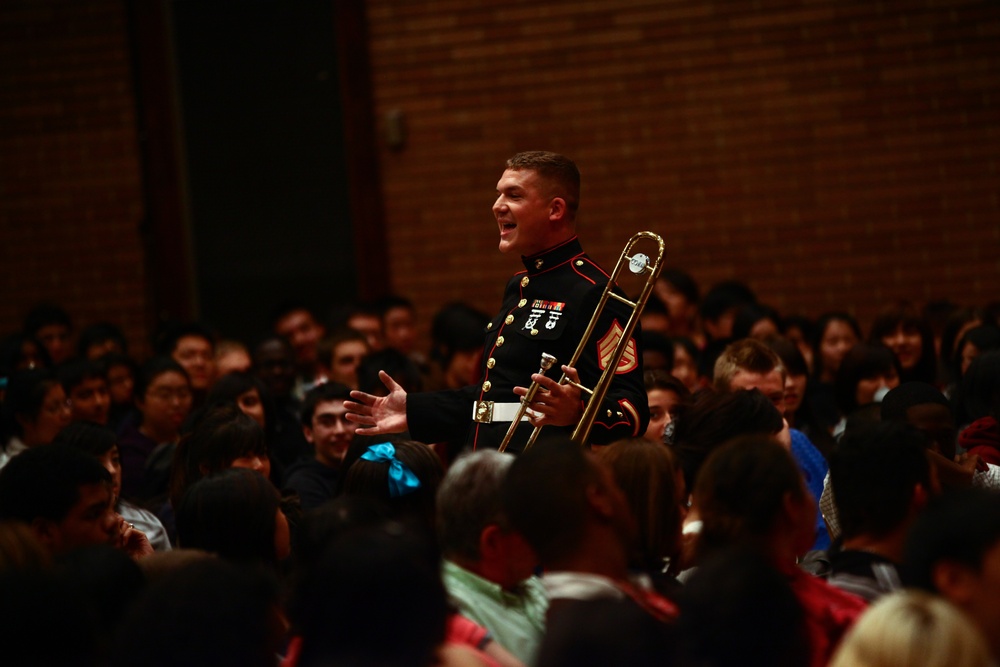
{"x":555,"y":404}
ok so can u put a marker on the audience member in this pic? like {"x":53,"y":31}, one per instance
{"x":274,"y":364}
{"x":163,"y":398}
{"x":35,"y":409}
{"x":687,"y":364}
{"x":457,"y":334}
{"x":679,"y":292}
{"x":100,"y":339}
{"x":399,"y":324}
{"x":665,"y":394}
{"x":120,"y":372}
{"x":297,"y":324}
{"x":657,"y":351}
{"x":865,"y":376}
{"x":51,"y":326}
{"x":340,"y":355}
{"x":193,"y":347}
{"x":901,"y":328}
{"x":231,"y":356}
{"x":86,"y":389}
{"x":326,"y":428}
{"x":756,"y":321}
{"x":488,"y":566}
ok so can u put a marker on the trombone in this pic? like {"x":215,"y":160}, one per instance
{"x":637,"y":263}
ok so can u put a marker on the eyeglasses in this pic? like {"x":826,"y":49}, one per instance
{"x":166,"y":394}
{"x":55,"y":407}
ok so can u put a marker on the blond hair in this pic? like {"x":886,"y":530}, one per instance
{"x":913,"y":629}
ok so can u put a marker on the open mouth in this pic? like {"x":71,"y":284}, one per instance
{"x":507,"y":227}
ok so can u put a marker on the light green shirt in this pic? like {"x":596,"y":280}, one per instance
{"x":515,"y":618}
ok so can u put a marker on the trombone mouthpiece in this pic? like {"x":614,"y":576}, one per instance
{"x":548,"y":361}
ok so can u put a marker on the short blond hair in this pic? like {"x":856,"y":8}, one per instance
{"x":913,"y":629}
{"x":746,"y":354}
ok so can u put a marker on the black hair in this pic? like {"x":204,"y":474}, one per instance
{"x":221,"y":435}
{"x":99,"y":333}
{"x":822,"y":323}
{"x":206,"y":613}
{"x":12,"y":356}
{"x":683,"y":283}
{"x":751,"y":313}
{"x":26,"y":392}
{"x":725,"y":296}
{"x":229,"y":387}
{"x":391,"y":301}
{"x":75,"y":372}
{"x":903,"y":313}
{"x":154,"y":368}
{"x":322,"y":525}
{"x":45,"y":314}
{"x":979,"y":394}
{"x":740,"y":492}
{"x":166,"y":339}
{"x":322,"y":393}
{"x":907,"y":395}
{"x":45,"y":482}
{"x":393,"y":362}
{"x":87,"y":437}
{"x":231,"y":513}
{"x":959,"y":526}
{"x":654,"y":341}
{"x":545,"y":496}
{"x":985,"y":337}
{"x":717,"y":417}
{"x":286,"y":308}
{"x":383,"y":572}
{"x":456,"y":327}
{"x":862,"y":362}
{"x":790,"y":355}
{"x":869,"y":501}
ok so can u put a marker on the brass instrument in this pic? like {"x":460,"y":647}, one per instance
{"x":637,"y":263}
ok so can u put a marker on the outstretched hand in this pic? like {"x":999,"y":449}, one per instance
{"x":554,"y":404}
{"x":379,"y":414}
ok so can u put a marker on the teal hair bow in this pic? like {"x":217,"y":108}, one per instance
{"x":401,"y":479}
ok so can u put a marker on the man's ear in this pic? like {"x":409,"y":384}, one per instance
{"x":308,"y":433}
{"x":558,"y":209}
{"x":47,"y":533}
{"x":599,"y":500}
{"x":955,"y":581}
{"x":490,"y":542}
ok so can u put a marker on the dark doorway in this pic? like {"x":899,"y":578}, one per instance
{"x":263,"y":141}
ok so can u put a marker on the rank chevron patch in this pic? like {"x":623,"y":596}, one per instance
{"x":606,"y":349}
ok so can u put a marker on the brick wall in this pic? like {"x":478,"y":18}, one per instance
{"x":70,"y":192}
{"x":832,"y":153}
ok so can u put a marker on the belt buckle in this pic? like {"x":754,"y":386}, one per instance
{"x":483,"y":412}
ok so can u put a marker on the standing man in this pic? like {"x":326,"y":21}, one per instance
{"x":546,"y":308}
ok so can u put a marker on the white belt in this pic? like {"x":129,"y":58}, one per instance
{"x":488,"y":412}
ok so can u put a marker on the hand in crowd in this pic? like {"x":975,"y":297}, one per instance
{"x":379,"y":414}
{"x":131,"y":541}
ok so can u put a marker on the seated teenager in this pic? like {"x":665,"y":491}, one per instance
{"x":34,"y":411}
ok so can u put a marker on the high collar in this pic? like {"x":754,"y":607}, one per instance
{"x":554,"y":256}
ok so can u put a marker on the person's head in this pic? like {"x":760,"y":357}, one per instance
{"x":248,"y":392}
{"x":657,"y":351}
{"x":403,"y":475}
{"x":63,"y":494}
{"x":384,"y":572}
{"x":324,"y":422}
{"x":120,"y":373}
{"x":796,"y":372}
{"x":750,"y":493}
{"x":537,"y":199}
{"x":50,"y":325}
{"x":192,"y":346}
{"x":800,"y":331}
{"x":924,"y":407}
{"x":866,"y":374}
{"x":655,"y":317}
{"x":297,"y":324}
{"x":341,"y":354}
{"x":717,"y":417}
{"x":905,"y":331}
{"x":882,"y":479}
{"x":231,"y":356}
{"x":740,"y":590}
{"x":274,"y":363}
{"x":224,"y":437}
{"x":556,"y":495}
{"x":473,"y":529}
{"x":100,"y":339}
{"x":979,"y":394}
{"x":235,"y":513}
{"x":974,"y":342}
{"x":35,"y":407}
{"x":750,"y":364}
{"x":754,"y":320}
{"x":360,"y":316}
{"x":954,"y":550}
{"x":400,"y":367}
{"x":687,"y":361}
{"x":86,"y":389}
{"x":719,"y":305}
{"x":20,"y":352}
{"x":99,"y":442}
{"x":836,"y":334}
{"x":204,"y":613}
{"x":679,"y":292}
{"x":912,"y":629}
{"x":163,"y":397}
{"x":646,"y":474}
{"x":399,"y":323}
{"x":664,"y":393}
{"x":457,"y":343}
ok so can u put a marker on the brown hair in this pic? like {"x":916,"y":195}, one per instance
{"x":558,"y":170}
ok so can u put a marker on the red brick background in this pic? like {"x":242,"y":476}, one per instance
{"x":833,"y":153}
{"x":70,"y":182}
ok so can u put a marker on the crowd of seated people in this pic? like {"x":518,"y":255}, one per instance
{"x":809,"y":491}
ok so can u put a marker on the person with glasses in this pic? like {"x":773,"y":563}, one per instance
{"x":35,"y":409}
